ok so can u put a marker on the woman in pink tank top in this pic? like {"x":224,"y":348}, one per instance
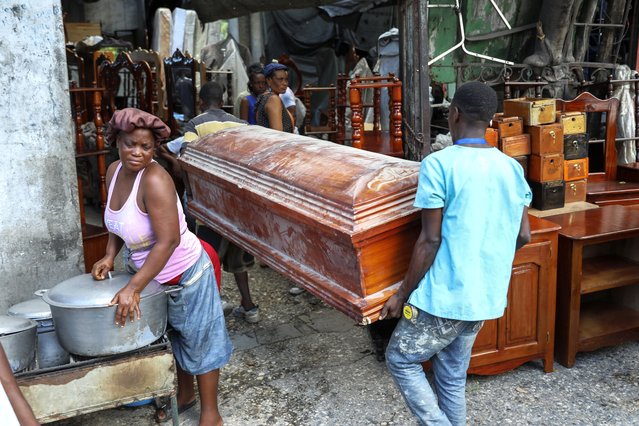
{"x":143,"y":211}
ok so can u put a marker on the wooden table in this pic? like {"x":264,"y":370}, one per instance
{"x":585,"y":325}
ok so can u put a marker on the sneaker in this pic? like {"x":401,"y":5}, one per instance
{"x":251,"y":316}
{"x":294,"y":291}
{"x":227,"y":307}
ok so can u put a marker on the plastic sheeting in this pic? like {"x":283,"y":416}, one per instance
{"x":212,"y":10}
{"x":626,"y":151}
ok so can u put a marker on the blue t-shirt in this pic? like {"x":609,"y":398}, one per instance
{"x":483,"y":193}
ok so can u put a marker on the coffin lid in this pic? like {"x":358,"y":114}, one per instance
{"x":361,"y":185}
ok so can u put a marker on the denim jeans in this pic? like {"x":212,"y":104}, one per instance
{"x":448,"y":344}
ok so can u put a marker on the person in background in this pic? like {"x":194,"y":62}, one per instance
{"x":270,"y":110}
{"x":474,"y":202}
{"x":14,"y":409}
{"x":256,"y":86}
{"x":144,"y":214}
{"x":234,"y":259}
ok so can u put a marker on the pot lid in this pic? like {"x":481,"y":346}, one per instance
{"x":83,"y":291}
{"x":35,"y":309}
{"x":10,"y":324}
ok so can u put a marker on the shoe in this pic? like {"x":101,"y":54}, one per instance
{"x":251,"y":316}
{"x":227,"y":307}
{"x":295,"y":291}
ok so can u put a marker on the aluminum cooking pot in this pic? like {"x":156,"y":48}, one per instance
{"x":49,"y":352}
{"x":18,"y":339}
{"x":85,"y":323}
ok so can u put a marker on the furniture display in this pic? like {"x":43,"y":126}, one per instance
{"x":526,"y":331}
{"x":158,"y":90}
{"x":338,"y":221}
{"x":330,"y":127}
{"x":181,"y":97}
{"x":590,"y":271}
{"x":376,"y":140}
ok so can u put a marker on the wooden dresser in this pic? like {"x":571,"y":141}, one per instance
{"x":526,"y":331}
{"x":594,"y":265}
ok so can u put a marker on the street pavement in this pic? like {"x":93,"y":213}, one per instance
{"x":305,"y":363}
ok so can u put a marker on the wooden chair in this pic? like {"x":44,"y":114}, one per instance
{"x":152,"y":58}
{"x":536,"y":85}
{"x":75,"y":68}
{"x":340,"y":108}
{"x":97,"y":57}
{"x":603,"y":186}
{"x":376,"y":140}
{"x":180,"y":73}
{"x":330,"y":128}
{"x":127,"y":84}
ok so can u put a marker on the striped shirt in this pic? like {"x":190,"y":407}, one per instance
{"x":210,"y":121}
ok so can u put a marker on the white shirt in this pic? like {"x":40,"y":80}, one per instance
{"x":7,"y":415}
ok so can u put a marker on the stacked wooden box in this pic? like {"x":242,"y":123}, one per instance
{"x":546,"y":164}
{"x":575,"y":144}
{"x":510,"y":138}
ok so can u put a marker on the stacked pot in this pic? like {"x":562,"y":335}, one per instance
{"x":18,"y":339}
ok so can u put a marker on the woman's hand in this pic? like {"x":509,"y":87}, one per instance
{"x":102,"y":267}
{"x":128,"y":301}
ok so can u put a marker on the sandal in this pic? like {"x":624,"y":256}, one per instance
{"x":166,"y":409}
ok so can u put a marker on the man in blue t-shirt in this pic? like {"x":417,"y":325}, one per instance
{"x":474,"y":202}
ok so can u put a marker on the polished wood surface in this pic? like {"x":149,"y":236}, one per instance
{"x":613,"y":192}
{"x":526,"y":331}
{"x":546,"y":168}
{"x":508,"y":126}
{"x":575,"y":169}
{"x":546,"y":139}
{"x":515,"y":146}
{"x":338,"y":221}
{"x":584,"y":325}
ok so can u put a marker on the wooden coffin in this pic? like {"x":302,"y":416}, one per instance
{"x":546,"y":139}
{"x":336,"y":220}
{"x":576,"y":191}
{"x":515,"y":146}
{"x":575,"y":169}
{"x":547,"y":195}
{"x":532,"y":110}
{"x":546,"y":168}
{"x":572,"y":123}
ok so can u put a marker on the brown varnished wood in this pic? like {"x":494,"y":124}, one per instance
{"x":515,"y":146}
{"x":533,"y":111}
{"x":575,"y":169}
{"x":508,"y":126}
{"x":546,"y":168}
{"x":613,"y":192}
{"x":331,"y":127}
{"x":546,"y":139}
{"x":590,"y":326}
{"x":337,"y":220}
{"x":576,"y":191}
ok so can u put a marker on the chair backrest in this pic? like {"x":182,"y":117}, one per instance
{"x":181,"y":73}
{"x":536,"y":85}
{"x":340,"y":107}
{"x":586,"y":102}
{"x":127,"y":84}
{"x":377,"y":83}
{"x":152,"y":58}
{"x":330,"y":128}
{"x":75,"y":68}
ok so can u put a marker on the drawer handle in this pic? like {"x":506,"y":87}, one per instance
{"x":552,"y":135}
{"x":574,"y":188}
{"x":577,"y":167}
{"x":575,"y":143}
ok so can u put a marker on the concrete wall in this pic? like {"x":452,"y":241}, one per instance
{"x":40,"y":237}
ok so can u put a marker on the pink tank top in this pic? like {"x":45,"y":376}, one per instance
{"x":133,"y":226}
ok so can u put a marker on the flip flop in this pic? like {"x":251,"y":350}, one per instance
{"x":166,"y":409}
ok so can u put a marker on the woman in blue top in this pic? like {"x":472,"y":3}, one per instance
{"x":256,"y":86}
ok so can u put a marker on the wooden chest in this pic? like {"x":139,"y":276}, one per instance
{"x":492,"y":137}
{"x":515,"y":146}
{"x":508,"y":126}
{"x":572,"y":122}
{"x":523,"y":162}
{"x":533,"y":111}
{"x":575,"y":146}
{"x":575,"y":169}
{"x":547,"y":195}
{"x":546,"y":168}
{"x":546,"y":139}
{"x":338,"y":221}
{"x":576,"y":191}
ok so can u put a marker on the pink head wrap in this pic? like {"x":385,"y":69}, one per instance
{"x":128,"y":119}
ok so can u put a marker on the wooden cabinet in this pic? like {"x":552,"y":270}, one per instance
{"x":526,"y":331}
{"x":589,"y":272}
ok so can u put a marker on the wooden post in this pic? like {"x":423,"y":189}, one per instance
{"x":356,"y":116}
{"x":99,"y":146}
{"x":396,"y":114}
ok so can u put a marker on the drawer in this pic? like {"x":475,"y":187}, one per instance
{"x":533,"y":111}
{"x":572,"y":122}
{"x":575,"y":169}
{"x":548,"y":195}
{"x":492,"y":137}
{"x":515,"y":146}
{"x":576,"y":191}
{"x":508,"y":126}
{"x":523,"y":162}
{"x":576,"y":146}
{"x":546,"y":168}
{"x":546,"y":139}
